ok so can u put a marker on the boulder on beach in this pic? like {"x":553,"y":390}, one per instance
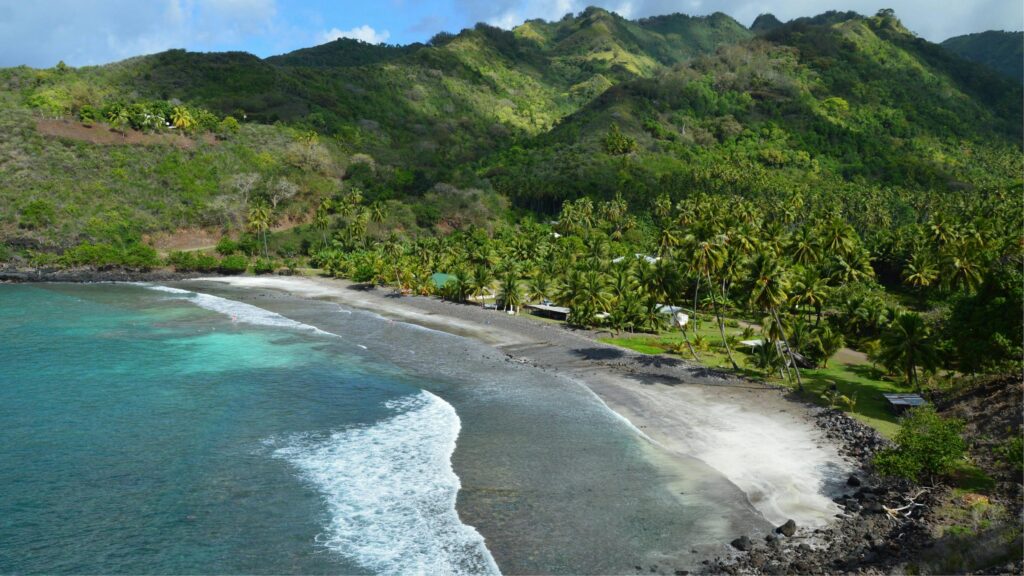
{"x":787,"y":529}
{"x":853,"y":481}
{"x":742,"y":544}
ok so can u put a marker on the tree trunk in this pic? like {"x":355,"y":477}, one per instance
{"x":686,"y":338}
{"x":796,"y":369}
{"x":721,"y":326}
{"x":266,"y":250}
{"x":696,"y":289}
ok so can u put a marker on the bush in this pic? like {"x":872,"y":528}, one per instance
{"x":226,"y":246}
{"x":36,"y":214}
{"x":263,"y":266}
{"x":927,"y":445}
{"x":234,"y":264}
{"x":140,"y":257}
{"x":181,"y":261}
{"x":206,"y":263}
{"x":1011,"y":452}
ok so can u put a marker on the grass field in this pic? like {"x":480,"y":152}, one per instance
{"x":853,"y":378}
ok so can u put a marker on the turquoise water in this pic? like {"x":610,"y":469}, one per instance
{"x":154,"y":430}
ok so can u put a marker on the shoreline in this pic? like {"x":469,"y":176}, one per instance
{"x":767,"y":444}
{"x":658,"y":396}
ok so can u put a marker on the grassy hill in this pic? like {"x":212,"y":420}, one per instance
{"x":1000,"y":51}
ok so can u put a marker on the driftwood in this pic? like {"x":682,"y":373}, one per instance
{"x":899,"y":513}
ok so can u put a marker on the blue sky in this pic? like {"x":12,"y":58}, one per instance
{"x":83,"y":32}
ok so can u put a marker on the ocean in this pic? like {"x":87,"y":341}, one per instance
{"x":197,"y":428}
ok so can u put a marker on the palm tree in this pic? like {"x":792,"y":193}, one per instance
{"x":906,"y":345}
{"x":119,"y":119}
{"x":394,"y":250}
{"x":510,"y":292}
{"x":322,"y":219}
{"x":480,"y":281}
{"x":259,"y":221}
{"x":182,"y":119}
{"x":803,"y":247}
{"x":540,"y":286}
{"x":920,"y":272}
{"x":767,"y":292}
{"x":829,"y":342}
{"x":810,"y":291}
{"x":710,"y":257}
{"x":378,"y":212}
{"x":962,"y":269}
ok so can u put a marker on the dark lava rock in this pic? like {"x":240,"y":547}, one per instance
{"x":853,"y":481}
{"x":787,"y":529}
{"x":742,"y":544}
{"x":872,"y":507}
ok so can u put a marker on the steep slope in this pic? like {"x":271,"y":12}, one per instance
{"x":420,"y":112}
{"x":831,"y":101}
{"x":1000,"y":51}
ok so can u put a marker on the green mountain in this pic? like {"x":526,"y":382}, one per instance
{"x":590,"y":105}
{"x":853,"y":100}
{"x":1000,"y":51}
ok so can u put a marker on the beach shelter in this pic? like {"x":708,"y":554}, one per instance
{"x":440,"y":279}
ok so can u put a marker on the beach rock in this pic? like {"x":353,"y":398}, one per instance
{"x":871,"y":507}
{"x":742,"y":544}
{"x":787,"y":529}
{"x":853,"y":481}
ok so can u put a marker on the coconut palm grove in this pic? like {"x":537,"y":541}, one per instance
{"x":831,"y":207}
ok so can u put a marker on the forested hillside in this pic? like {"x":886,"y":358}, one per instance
{"x":1000,"y":51}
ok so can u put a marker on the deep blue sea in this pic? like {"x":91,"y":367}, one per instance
{"x":196,"y":429}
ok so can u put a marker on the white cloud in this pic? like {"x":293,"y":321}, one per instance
{"x":365,"y":33}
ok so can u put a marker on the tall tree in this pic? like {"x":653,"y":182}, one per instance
{"x":769,"y":283}
{"x":906,"y":345}
{"x":259,"y":221}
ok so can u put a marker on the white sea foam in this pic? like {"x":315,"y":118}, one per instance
{"x":391,"y":491}
{"x":238,"y":311}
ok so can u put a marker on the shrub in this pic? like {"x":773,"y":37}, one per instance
{"x":263,"y":266}
{"x":927,"y":445}
{"x":36,"y":214}
{"x":87,"y":254}
{"x":140,"y":257}
{"x":206,"y":263}
{"x":234,"y":264}
{"x":226,"y":246}
{"x":181,"y":261}
{"x":227,"y":127}
{"x":1012,"y":453}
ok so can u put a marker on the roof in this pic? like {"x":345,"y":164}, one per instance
{"x":752,"y":343}
{"x":905,"y":399}
{"x":440,"y":279}
{"x":552,"y":309}
{"x":648,"y":259}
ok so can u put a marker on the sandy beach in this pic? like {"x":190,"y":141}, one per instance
{"x":763,"y":442}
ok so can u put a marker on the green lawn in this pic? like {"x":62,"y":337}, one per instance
{"x":850,"y":378}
